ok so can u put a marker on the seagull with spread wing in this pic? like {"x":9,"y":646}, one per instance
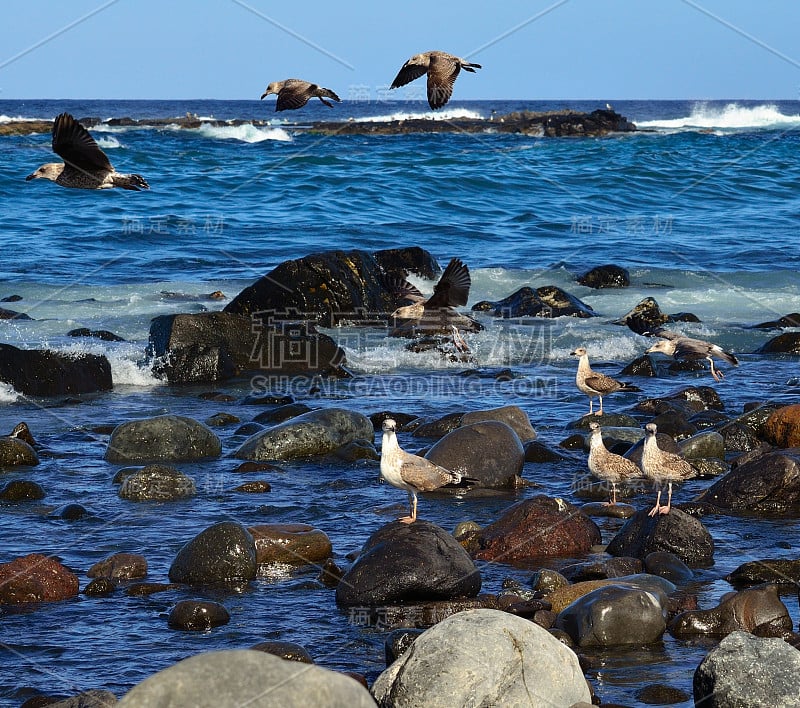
{"x":442,"y":70}
{"x":413,"y":473}
{"x":295,"y":93}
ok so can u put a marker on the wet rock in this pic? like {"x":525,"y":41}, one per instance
{"x":658,"y":694}
{"x":357,"y":450}
{"x":248,"y":429}
{"x":438,"y":428}
{"x":251,"y":678}
{"x":676,"y":532}
{"x":157,"y":483}
{"x":173,"y":438}
{"x":413,"y":614}
{"x":398,"y":642}
{"x":707,"y":443}
{"x":198,"y":615}
{"x":42,"y":372}
{"x":120,"y":566}
{"x":546,"y":301}
{"x":768,"y":484}
{"x":224,"y":552}
{"x":786,"y":343}
{"x":13,"y":315}
{"x":71,"y":512}
{"x":488,"y":452}
{"x":613,"y":615}
{"x":446,"y":666}
{"x":282,"y":413}
{"x":600,"y":569}
{"x":771,"y":570}
{"x":668,"y":565}
{"x":513,"y":416}
{"x":535,"y":528}
{"x":20,"y":490}
{"x":93,"y":698}
{"x":403,"y":562}
{"x":318,"y":432}
{"x":757,"y":608}
{"x":147,"y":589}
{"x":402,"y":419}
{"x":612,"y":511}
{"x":744,"y":670}
{"x":538,"y":453}
{"x":100,"y":587}
{"x":645,"y":316}
{"x":618,"y":425}
{"x":791,"y":320}
{"x":102,"y":334}
{"x":36,"y":578}
{"x":290,"y":651}
{"x":605,"y":276}
{"x":295,"y":544}
{"x":330,"y":574}
{"x":675,"y":424}
{"x":15,"y":452}
{"x":782,"y":428}
{"x":564,"y":596}
{"x":738,"y":437}
{"x":547,"y":580}
{"x":257,"y":487}
{"x":267,"y":399}
{"x":219,"y":420}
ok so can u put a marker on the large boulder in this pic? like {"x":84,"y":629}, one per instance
{"x":42,"y":372}
{"x":745,"y":671}
{"x":407,"y":562}
{"x":768,"y":483}
{"x":246,"y":677}
{"x":676,"y":532}
{"x":489,"y":452}
{"x":14,"y":452}
{"x":536,"y":528}
{"x":318,"y":432}
{"x":613,"y":615}
{"x":293,"y":544}
{"x":214,"y":346}
{"x":162,"y":438}
{"x":513,"y":416}
{"x":782,"y":428}
{"x":224,"y":552}
{"x":330,"y":287}
{"x":447,"y":666}
{"x":786,"y":343}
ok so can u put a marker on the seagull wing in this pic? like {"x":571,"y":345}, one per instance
{"x":403,"y":290}
{"x":603,"y":384}
{"x":409,"y":71}
{"x":442,"y":76}
{"x":423,"y":474}
{"x":73,"y":143}
{"x":453,"y":287}
{"x":291,"y":97}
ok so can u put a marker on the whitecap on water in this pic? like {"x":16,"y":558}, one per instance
{"x":7,"y":394}
{"x":447,"y":114}
{"x":107,"y":142}
{"x":731,"y":116}
{"x":246,"y":132}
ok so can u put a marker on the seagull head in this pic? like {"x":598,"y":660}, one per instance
{"x":650,"y":428}
{"x":664,"y":346}
{"x":389,"y":426}
{"x":274,"y":87}
{"x":50,"y":170}
{"x":580,"y":351}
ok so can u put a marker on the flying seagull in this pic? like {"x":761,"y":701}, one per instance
{"x":593,"y":383}
{"x":691,"y":349}
{"x":85,"y":165}
{"x":609,"y":466}
{"x":442,"y":70}
{"x":662,"y":466}
{"x":410,"y":472}
{"x":294,"y":93}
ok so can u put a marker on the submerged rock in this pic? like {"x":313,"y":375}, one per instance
{"x":157,"y":483}
{"x":294,"y":544}
{"x":198,"y":615}
{"x":605,"y":276}
{"x":546,"y":301}
{"x":163,"y":438}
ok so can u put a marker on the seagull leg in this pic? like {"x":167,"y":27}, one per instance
{"x":600,"y":412}
{"x":412,"y":505}
{"x":657,"y":508}
{"x":613,"y":494}
{"x":591,"y":405}
{"x":716,"y":373}
{"x":665,"y":509}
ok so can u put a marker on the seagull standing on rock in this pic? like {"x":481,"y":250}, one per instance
{"x":607,"y":465}
{"x":593,"y":383}
{"x":410,"y":472}
{"x":662,"y":466}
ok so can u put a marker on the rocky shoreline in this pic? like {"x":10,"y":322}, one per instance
{"x":544,"y":124}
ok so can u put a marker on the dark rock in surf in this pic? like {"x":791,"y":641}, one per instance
{"x":120,"y":566}
{"x":547,"y":301}
{"x":15,"y":452}
{"x":771,"y":570}
{"x":222,"y":553}
{"x":12,"y":315}
{"x":42,"y":372}
{"x":157,"y":483}
{"x":786,"y":343}
{"x":290,"y":651}
{"x":792,"y":320}
{"x":36,"y":578}
{"x":292,"y":544}
{"x":193,"y":615}
{"x":21,"y":490}
{"x":162,"y":438}
{"x":102,"y":334}
{"x":605,"y":276}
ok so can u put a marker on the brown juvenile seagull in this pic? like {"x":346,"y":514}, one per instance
{"x":85,"y":165}
{"x":294,"y":93}
{"x":662,"y":466}
{"x":593,"y":383}
{"x":690,"y":349}
{"x":452,"y":290}
{"x":410,"y":472}
{"x":609,"y":466}
{"x":442,"y":70}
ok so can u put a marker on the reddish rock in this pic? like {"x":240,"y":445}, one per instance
{"x":296,"y":544}
{"x":36,"y":578}
{"x":782,"y":428}
{"x":538,"y":527}
{"x":120,"y":566}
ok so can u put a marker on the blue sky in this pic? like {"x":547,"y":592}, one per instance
{"x":555,"y":49}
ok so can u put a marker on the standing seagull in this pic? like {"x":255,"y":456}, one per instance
{"x":410,"y":472}
{"x":607,"y":465}
{"x":294,"y":93}
{"x":442,"y":70}
{"x":593,"y":383}
{"x":690,"y":349}
{"x":85,"y":165}
{"x":662,"y":466}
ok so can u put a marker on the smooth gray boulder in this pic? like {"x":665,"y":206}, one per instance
{"x":513,"y":416}
{"x":162,"y":438}
{"x":447,"y":666}
{"x":745,"y":671}
{"x":318,"y":432}
{"x":246,"y":677}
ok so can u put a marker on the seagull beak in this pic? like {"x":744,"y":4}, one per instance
{"x":30,"y":177}
{"x":266,"y":93}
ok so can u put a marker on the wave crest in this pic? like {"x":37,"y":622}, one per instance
{"x":730,"y":116}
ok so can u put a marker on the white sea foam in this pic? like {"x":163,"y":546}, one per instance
{"x":108,"y":141}
{"x":7,"y":394}
{"x":446,"y":114}
{"x":17,"y":119}
{"x":731,"y":116}
{"x":246,"y":132}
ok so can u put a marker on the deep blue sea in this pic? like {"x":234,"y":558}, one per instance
{"x":701,"y":205}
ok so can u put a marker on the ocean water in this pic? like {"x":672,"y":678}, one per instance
{"x":701,"y":205}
